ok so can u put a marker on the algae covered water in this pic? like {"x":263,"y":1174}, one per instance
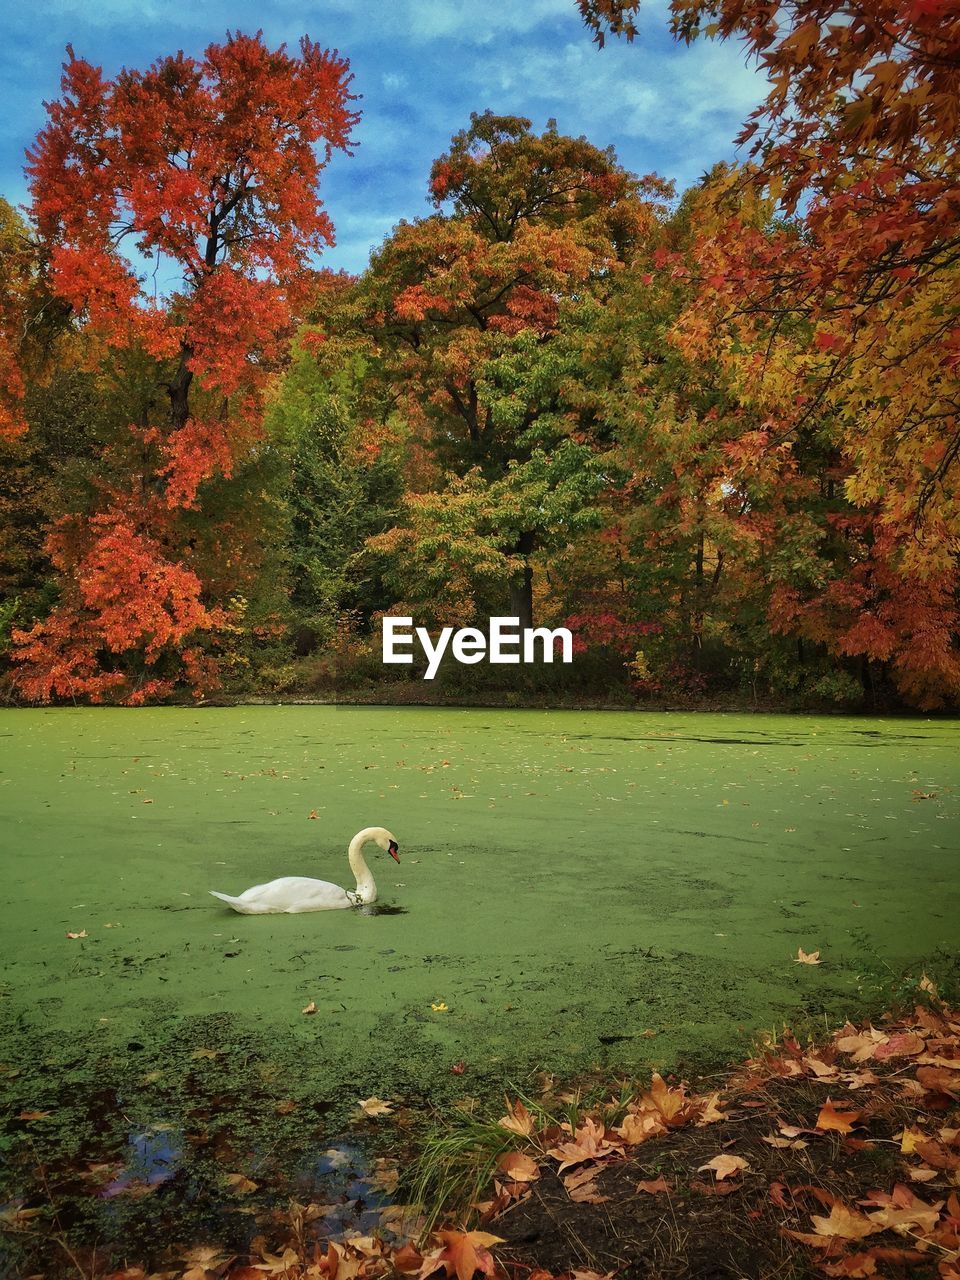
{"x":623,"y":890}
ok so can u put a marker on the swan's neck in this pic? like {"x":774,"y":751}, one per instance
{"x":366,"y":888}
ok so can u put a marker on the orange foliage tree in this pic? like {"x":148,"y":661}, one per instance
{"x":846,"y":311}
{"x":209,"y":168}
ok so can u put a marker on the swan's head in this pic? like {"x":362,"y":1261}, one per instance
{"x":387,"y":843}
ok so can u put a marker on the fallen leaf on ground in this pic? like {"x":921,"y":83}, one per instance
{"x":589,"y":1143}
{"x":519,"y":1167}
{"x":654,"y":1186}
{"x":725,"y":1166}
{"x":463,"y":1253}
{"x":854,"y":1265}
{"x":518,"y":1119}
{"x":832,"y":1119}
{"x":844,"y":1223}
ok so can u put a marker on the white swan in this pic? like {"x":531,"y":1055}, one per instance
{"x":292,"y":894}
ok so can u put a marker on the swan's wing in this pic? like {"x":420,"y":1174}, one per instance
{"x":297,"y":893}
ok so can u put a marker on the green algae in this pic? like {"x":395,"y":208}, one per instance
{"x":569,"y":881}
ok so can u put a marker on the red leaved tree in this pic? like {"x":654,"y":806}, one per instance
{"x":209,"y":168}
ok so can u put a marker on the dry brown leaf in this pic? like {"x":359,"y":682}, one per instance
{"x":518,"y":1166}
{"x":310,"y":1008}
{"x":654,"y":1186}
{"x":843,"y":1223}
{"x":81,"y":934}
{"x":855,"y":1265}
{"x":462,"y":1254}
{"x":637,"y":1127}
{"x":804,"y":957}
{"x":589,"y":1143}
{"x":904,"y":1044}
{"x":518,"y":1119}
{"x":833,"y":1120}
{"x":587,"y":1193}
{"x":374,"y":1106}
{"x":725,"y":1166}
{"x":239,"y":1183}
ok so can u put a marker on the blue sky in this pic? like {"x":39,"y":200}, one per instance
{"x":421,"y":66}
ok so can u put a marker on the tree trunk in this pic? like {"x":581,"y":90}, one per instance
{"x":521,"y":587}
{"x":179,"y":391}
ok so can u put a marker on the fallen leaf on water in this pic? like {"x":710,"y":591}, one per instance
{"x":440,"y":1007}
{"x":803,"y":957}
{"x":458,"y":1068}
{"x":241,"y":1184}
{"x":310,"y":1008}
{"x":205,"y":1053}
{"x":81,"y":934}
{"x":34,"y":1115}
{"x":725,"y":1166}
{"x":313,"y":814}
{"x":374,"y":1106}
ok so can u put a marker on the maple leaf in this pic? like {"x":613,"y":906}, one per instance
{"x":518,"y":1119}
{"x":81,"y":934}
{"x":654,"y":1186}
{"x":803,"y":957}
{"x":843,"y":1223}
{"x":906,"y":1044}
{"x":240,"y":1183}
{"x":519,"y":1167}
{"x":374,"y":1106}
{"x":463,"y":1254}
{"x":855,"y":1265}
{"x":724,"y":1166}
{"x":30,"y":1116}
{"x":589,"y":1143}
{"x":587,"y":1193}
{"x":830,"y":1118}
{"x":310,"y":1008}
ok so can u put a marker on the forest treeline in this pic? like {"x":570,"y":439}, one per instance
{"x":714,"y":432}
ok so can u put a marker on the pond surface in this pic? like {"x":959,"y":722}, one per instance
{"x":570,"y":883}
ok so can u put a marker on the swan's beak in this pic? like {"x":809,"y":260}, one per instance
{"x":394,"y":851}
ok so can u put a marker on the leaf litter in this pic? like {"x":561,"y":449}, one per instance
{"x":798,"y":1177}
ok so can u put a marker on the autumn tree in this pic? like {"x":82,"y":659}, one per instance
{"x":848,"y":311}
{"x":208,"y":168}
{"x":465,"y":309}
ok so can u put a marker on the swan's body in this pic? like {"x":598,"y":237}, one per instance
{"x":293,"y":894}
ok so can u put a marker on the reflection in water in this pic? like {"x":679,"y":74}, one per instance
{"x":153,"y":1157}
